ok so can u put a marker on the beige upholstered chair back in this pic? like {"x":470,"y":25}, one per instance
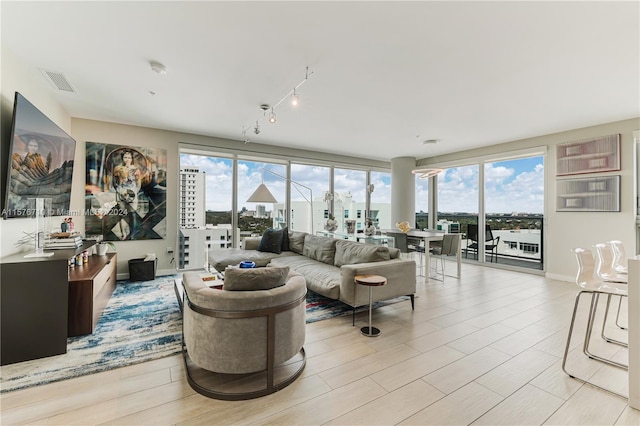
{"x":234,"y":340}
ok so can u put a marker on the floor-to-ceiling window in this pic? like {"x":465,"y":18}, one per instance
{"x":380,"y":193}
{"x":422,"y":203}
{"x":458,"y":199}
{"x":205,"y":207}
{"x":514,"y":206}
{"x":349,"y":198}
{"x":497,"y":204}
{"x":302,"y":198}
{"x":309,"y":183}
{"x":255,"y":217}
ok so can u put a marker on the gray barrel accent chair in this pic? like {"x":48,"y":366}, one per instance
{"x":252,"y":331}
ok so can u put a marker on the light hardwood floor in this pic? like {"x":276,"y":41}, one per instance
{"x":483,"y":349}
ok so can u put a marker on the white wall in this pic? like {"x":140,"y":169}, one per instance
{"x":17,"y":77}
{"x":567,"y":230}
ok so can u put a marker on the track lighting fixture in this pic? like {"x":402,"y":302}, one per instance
{"x":157,"y":67}
{"x":271,"y":118}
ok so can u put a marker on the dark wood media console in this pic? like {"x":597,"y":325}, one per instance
{"x":90,"y":287}
{"x":43,"y":301}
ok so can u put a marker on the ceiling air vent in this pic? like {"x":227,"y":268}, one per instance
{"x":58,"y":80}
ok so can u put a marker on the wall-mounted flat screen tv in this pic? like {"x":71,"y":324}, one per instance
{"x":40,"y":162}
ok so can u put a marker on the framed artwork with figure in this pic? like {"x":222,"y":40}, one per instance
{"x":125,"y":192}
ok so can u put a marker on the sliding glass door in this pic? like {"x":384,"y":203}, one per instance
{"x":458,"y":205}
{"x":497,"y":204}
{"x":514,"y":206}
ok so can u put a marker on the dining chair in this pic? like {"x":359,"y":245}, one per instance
{"x":449,"y":247}
{"x":605,"y":264}
{"x":491,"y":242}
{"x":606,"y":272}
{"x":416,"y":245}
{"x":619,"y":257}
{"x":588,"y":284}
{"x":402,"y":243}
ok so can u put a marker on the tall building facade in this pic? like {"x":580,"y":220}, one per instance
{"x":191,"y":213}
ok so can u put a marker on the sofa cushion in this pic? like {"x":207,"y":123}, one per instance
{"x":322,"y":249}
{"x":320,"y":278}
{"x":238,"y":279}
{"x":394,"y":253}
{"x":271,"y":241}
{"x":296,"y":241}
{"x":351,"y":253}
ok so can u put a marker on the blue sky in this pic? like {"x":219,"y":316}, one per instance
{"x":514,"y":185}
{"x":510,"y":186}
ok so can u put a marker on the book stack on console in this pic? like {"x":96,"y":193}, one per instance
{"x":63,"y":240}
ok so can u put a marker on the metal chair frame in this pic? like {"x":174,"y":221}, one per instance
{"x":472,"y":234}
{"x":606,"y":272}
{"x":588,"y":285}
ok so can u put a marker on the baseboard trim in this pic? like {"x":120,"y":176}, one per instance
{"x":560,"y":277}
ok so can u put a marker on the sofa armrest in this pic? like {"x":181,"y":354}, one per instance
{"x":400,"y":275}
{"x":251,"y":243}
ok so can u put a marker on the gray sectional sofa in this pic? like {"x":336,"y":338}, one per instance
{"x":329,"y":266}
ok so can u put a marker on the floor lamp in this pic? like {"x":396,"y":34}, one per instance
{"x":263,"y":195}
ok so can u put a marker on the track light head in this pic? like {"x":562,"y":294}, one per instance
{"x":157,"y":67}
{"x":272,"y":117}
{"x":295,"y":99}
{"x":256,"y":128}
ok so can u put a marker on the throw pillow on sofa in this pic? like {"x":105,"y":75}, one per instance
{"x":322,"y":249}
{"x":271,"y":241}
{"x":237,"y":279}
{"x":296,"y":241}
{"x":285,"y":239}
{"x":351,"y":253}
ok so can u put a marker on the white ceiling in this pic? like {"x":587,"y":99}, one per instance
{"x":386,"y":75}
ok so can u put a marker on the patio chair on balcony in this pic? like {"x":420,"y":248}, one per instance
{"x":491,"y":242}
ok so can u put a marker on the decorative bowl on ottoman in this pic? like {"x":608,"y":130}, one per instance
{"x":247,"y":264}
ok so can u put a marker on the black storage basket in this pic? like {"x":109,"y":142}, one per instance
{"x":142,"y":270}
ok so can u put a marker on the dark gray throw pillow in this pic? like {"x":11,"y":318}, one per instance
{"x":271,"y":241}
{"x":285,"y":239}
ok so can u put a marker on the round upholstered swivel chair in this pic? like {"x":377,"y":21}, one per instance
{"x":245,"y":340}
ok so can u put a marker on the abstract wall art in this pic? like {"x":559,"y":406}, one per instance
{"x":588,"y":156}
{"x":593,"y":194}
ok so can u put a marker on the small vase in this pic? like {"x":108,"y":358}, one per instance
{"x":102,"y":249}
{"x":64,"y":226}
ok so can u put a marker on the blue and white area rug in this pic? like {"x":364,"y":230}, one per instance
{"x":320,"y":307}
{"x":141,"y":322}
